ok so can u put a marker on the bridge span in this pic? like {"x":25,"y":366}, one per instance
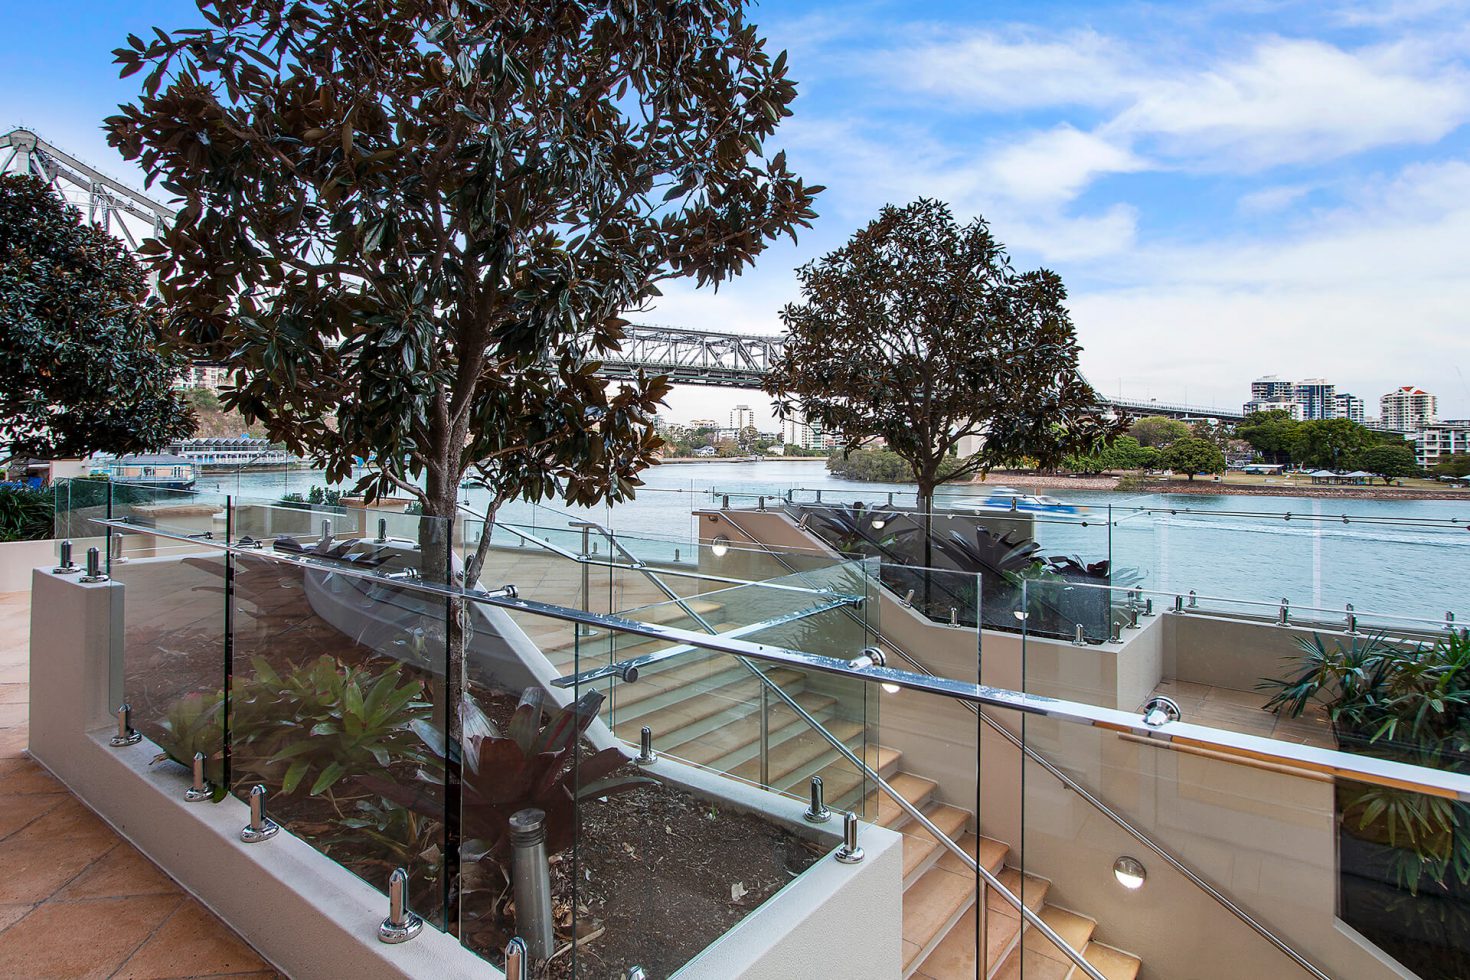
{"x":717,"y":358}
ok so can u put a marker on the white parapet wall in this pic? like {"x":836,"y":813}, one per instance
{"x":312,"y":918}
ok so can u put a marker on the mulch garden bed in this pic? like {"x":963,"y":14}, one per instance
{"x":657,"y":873}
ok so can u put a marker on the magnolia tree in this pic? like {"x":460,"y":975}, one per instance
{"x":414,"y":234}
{"x":918,"y":331}
{"x":80,"y":366}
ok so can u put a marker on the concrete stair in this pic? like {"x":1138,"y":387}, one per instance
{"x":705,"y":709}
{"x":939,"y":914}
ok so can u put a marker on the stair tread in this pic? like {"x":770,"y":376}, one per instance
{"x":603,"y":648}
{"x":919,"y":844}
{"x":1075,"y":930}
{"x":1111,"y":962}
{"x":989,"y":854}
{"x":841,"y":777}
{"x":709,"y":747}
{"x":916,"y":789}
{"x":698,"y":706}
{"x":1023,"y":963}
{"x":788,"y":757}
{"x":1032,"y":892}
{"x":685,"y":677}
{"x":954,"y":956}
{"x":929,"y":905}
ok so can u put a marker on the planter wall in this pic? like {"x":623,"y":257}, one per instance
{"x":310,"y":917}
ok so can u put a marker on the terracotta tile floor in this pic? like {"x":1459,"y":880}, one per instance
{"x":1240,"y":711}
{"x":76,"y":900}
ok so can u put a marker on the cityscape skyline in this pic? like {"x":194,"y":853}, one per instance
{"x":1205,"y":200}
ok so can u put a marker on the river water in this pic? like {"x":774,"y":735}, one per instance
{"x":1386,"y":557}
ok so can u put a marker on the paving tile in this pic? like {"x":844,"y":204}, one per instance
{"x":14,"y":715}
{"x":11,"y":914}
{"x":119,"y":873}
{"x":18,"y":811}
{"x":191,"y":943}
{"x":81,"y":940}
{"x":69,"y":821}
{"x":34,"y":873}
{"x":13,"y":743}
{"x":30,"y":778}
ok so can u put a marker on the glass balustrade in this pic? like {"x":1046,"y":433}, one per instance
{"x":1285,"y":814}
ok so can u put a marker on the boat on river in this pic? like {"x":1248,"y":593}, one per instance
{"x":1011,"y":499}
{"x":159,"y":470}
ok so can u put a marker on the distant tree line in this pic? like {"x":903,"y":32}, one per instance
{"x":877,"y":466}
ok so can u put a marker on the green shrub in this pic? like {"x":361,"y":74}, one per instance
{"x":26,"y":513}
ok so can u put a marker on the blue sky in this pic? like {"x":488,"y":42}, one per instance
{"x":1228,"y":189}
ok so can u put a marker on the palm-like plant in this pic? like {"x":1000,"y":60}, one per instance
{"x":1409,"y":702}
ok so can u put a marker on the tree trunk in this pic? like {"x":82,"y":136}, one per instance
{"x":926,"y":509}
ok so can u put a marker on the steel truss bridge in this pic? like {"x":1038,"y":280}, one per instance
{"x":733,"y":360}
{"x":115,"y":207}
{"x":715,"y":358}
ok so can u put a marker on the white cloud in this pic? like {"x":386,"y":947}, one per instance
{"x":1055,"y":166}
{"x":1371,"y":295}
{"x":1294,"y":101}
{"x":1271,"y":200}
{"x":995,"y":72}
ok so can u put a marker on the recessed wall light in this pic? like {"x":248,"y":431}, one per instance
{"x":1130,"y":872}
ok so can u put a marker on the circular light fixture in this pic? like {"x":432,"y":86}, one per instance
{"x":879,"y":522}
{"x":1130,"y":872}
{"x":892,"y":688}
{"x":720,"y":546}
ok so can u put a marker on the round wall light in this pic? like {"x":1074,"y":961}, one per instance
{"x":879,"y":522}
{"x":891,"y":688}
{"x":1130,"y":872}
{"x":720,"y":546}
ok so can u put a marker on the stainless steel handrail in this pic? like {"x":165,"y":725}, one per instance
{"x":640,"y":566}
{"x":628,"y":670}
{"x":588,"y":560}
{"x":1248,"y":749}
{"x":1118,"y":819}
{"x":915,"y":814}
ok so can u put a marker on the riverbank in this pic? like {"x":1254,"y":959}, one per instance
{"x":1211,"y":488}
{"x":1207,"y":486}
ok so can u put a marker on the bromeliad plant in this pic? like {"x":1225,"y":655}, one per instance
{"x":537,"y":761}
{"x":194,"y":724}
{"x":1408,"y":702}
{"x":325,"y":721}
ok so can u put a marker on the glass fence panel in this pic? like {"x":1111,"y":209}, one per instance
{"x":338,"y":703}
{"x":1339,"y":870}
{"x":171,"y":660}
{"x":671,"y":856}
{"x":1359,"y":879}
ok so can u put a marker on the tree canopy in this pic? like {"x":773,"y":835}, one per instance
{"x":1457,"y":464}
{"x":1272,"y":434}
{"x":918,"y":330}
{"x":1388,"y":462}
{"x":1331,"y":444}
{"x":1158,"y":431}
{"x":1124,"y":454}
{"x":414,"y":234}
{"x":81,"y":369}
{"x":1192,"y":455}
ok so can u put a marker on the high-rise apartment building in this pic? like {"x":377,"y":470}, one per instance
{"x":1272,"y":389}
{"x":1407,"y":409}
{"x":741,"y":416}
{"x":1350,"y":407}
{"x":1317,"y":397}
